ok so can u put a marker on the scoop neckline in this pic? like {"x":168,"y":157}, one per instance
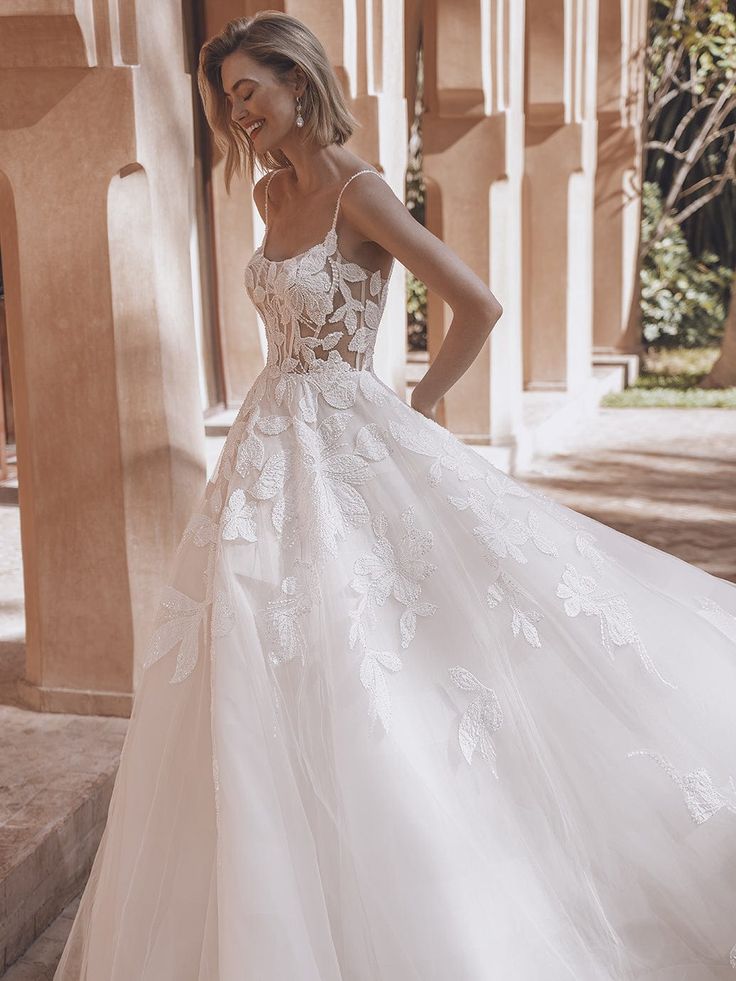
{"x":276,"y":262}
{"x":333,"y":227}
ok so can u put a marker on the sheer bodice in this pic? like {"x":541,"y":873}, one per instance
{"x":317,"y":306}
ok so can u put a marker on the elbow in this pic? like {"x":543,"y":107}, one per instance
{"x":492,"y":312}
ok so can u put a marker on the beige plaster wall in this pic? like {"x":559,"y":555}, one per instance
{"x":95,"y":135}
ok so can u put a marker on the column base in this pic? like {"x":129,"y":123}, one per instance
{"x":73,"y":701}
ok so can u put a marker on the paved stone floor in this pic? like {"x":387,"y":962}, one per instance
{"x":12,"y":619}
{"x":665,"y":476}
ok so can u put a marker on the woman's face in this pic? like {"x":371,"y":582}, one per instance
{"x":254,"y":93}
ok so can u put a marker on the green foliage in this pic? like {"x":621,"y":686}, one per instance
{"x":669,"y":379}
{"x":707,"y":31}
{"x":684,"y":299}
{"x":416,"y":307}
{"x":416,"y":291}
{"x":670,"y":398}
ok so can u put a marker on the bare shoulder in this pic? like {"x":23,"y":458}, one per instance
{"x":368,"y":194}
{"x":380,"y":216}
{"x":369,"y":201}
{"x":259,"y":192}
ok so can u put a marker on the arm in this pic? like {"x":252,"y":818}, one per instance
{"x":374,"y":210}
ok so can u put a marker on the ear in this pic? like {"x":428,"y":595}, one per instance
{"x":299,"y":80}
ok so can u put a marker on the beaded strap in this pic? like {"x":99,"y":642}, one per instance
{"x":268,"y":184}
{"x":337,"y":206}
{"x":339,"y":198}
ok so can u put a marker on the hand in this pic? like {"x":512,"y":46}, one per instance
{"x":426,"y":408}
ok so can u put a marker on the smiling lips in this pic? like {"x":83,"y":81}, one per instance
{"x":254,"y":127}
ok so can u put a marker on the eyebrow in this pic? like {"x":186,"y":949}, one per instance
{"x":239,"y":82}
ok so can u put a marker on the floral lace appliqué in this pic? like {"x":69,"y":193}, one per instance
{"x":387,"y":571}
{"x":303,"y":295}
{"x":582,"y":594}
{"x":285,"y":616}
{"x":499,"y":532}
{"x":702,"y":797}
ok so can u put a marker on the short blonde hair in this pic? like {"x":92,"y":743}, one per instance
{"x":279,"y":42}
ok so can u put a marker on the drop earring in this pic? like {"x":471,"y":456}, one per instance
{"x":299,"y":117}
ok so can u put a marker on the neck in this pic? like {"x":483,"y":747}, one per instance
{"x":314,"y":167}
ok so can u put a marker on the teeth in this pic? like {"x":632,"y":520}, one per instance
{"x":253,"y":127}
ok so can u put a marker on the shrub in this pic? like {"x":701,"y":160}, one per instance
{"x":683,"y":299}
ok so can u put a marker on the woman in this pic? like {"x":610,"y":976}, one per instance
{"x":403,"y":717}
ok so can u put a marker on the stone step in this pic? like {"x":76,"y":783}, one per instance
{"x":630,"y":363}
{"x":55,"y":786}
{"x":9,"y":486}
{"x":41,"y":959}
{"x":553,"y":420}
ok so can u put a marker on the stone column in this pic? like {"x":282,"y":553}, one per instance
{"x":95,"y":165}
{"x":235,"y":236}
{"x":621,"y":106}
{"x":558,"y":192}
{"x":3,"y":444}
{"x":473,"y":163}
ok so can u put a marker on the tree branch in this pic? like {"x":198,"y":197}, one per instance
{"x":729,"y":173}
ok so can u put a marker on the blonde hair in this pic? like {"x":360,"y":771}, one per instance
{"x":279,"y":42}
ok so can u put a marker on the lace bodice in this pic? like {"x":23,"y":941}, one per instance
{"x":317,"y":306}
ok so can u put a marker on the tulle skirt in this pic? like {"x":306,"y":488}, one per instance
{"x":405,"y":718}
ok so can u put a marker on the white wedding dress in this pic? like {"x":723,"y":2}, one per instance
{"x":405,"y":718}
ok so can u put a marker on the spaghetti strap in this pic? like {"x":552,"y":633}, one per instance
{"x":268,"y":184}
{"x":337,"y":206}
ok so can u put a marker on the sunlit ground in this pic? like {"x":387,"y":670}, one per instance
{"x":667,"y":478}
{"x":669,"y":379}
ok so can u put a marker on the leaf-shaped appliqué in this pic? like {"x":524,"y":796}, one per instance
{"x":223,"y":618}
{"x":238,"y":518}
{"x":182,"y":619}
{"x":371,"y":443}
{"x":271,"y":479}
{"x":481,"y":718}
{"x":373,"y":678}
{"x":447,"y":452}
{"x":251,"y":453}
{"x":272,"y":425}
{"x":504,"y":588}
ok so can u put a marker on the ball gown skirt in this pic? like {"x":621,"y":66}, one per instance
{"x":406,"y":718}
